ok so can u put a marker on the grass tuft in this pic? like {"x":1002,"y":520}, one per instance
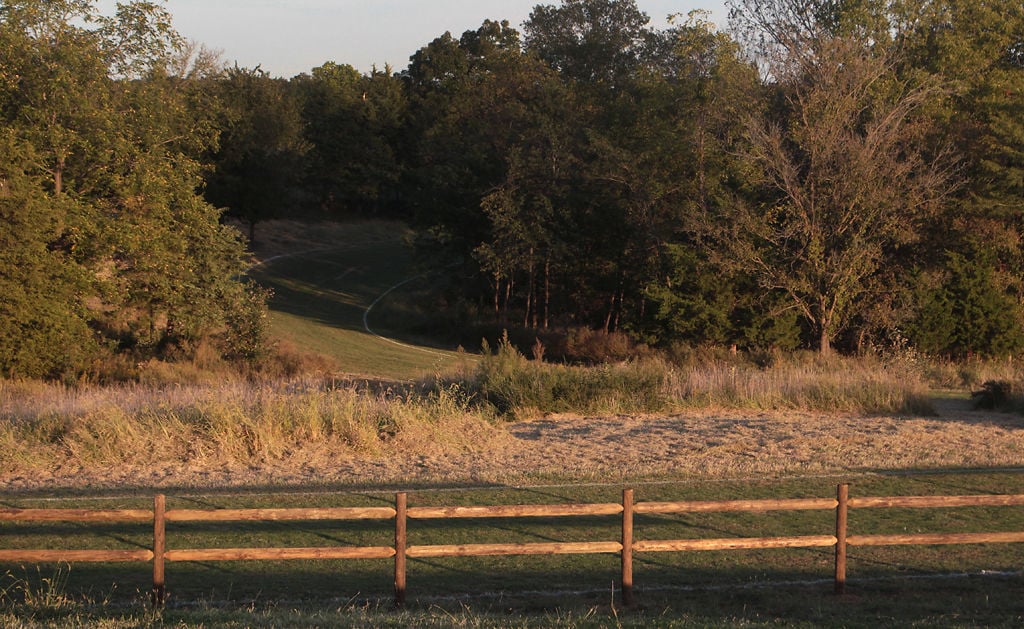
{"x":839,"y":385}
{"x":234,"y":423}
{"x":516,"y":387}
{"x":37,"y":593}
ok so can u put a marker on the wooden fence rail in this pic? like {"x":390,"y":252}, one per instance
{"x":401,"y":513}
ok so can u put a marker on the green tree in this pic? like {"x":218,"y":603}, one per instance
{"x":680,"y":169}
{"x":262,"y":147}
{"x":976,"y":49}
{"x":460,"y":118}
{"x":354,"y":125}
{"x":590,"y":41}
{"x":598,"y":49}
{"x":43,"y":318}
{"x":969,"y":311}
{"x":103,"y":193}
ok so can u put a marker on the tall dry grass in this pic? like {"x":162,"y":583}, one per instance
{"x":516,"y":387}
{"x":42,"y":425}
{"x":241,"y":422}
{"x":837,"y":385}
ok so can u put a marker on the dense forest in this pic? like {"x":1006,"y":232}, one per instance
{"x":836,"y":175}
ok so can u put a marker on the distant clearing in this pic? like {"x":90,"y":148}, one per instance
{"x":325,"y":276}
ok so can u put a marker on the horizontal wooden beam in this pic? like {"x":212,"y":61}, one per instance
{"x":75,"y":556}
{"x":259,"y":554}
{"x":76,"y":515}
{"x":734,"y":543}
{"x":796,"y":504}
{"x":867,"y":502}
{"x":934,"y":538}
{"x":515,"y":511}
{"x":546,"y":548}
{"x":256,"y":515}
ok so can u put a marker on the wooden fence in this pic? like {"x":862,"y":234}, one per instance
{"x":627,"y":546}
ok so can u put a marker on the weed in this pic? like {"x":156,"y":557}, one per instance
{"x":41,"y":593}
{"x":517,"y":387}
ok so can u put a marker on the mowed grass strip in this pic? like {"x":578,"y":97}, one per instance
{"x":321,"y":298}
{"x":529,"y":583}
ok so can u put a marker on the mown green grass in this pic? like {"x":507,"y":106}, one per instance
{"x":321,"y":297}
{"x":894,"y":586}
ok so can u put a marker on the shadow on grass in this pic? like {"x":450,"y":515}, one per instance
{"x":541,"y":597}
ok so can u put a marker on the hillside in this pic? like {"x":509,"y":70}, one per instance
{"x":333,"y":283}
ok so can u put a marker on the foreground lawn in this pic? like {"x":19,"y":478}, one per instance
{"x":975,"y":585}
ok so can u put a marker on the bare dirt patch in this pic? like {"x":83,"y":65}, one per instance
{"x":700,"y":444}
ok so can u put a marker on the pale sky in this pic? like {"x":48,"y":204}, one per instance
{"x":288,"y":37}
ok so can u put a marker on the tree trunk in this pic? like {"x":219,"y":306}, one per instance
{"x":621,"y":299}
{"x":547,"y":289}
{"x":58,"y":179}
{"x":825,"y":343}
{"x":508,"y":297}
{"x":531,"y":290}
{"x":702,"y":187}
{"x":611,"y":313}
{"x":497,"y":295}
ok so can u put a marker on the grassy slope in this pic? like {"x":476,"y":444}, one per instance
{"x":321,"y":296}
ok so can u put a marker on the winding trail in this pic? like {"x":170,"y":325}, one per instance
{"x":312,"y":253}
{"x":370,"y":331}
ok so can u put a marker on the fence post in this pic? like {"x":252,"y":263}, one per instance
{"x":401,"y":502}
{"x":159,"y":547}
{"x":842,"y":497}
{"x":627,"y":547}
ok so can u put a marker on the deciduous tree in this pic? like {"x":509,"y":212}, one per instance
{"x":842,"y":162}
{"x":261,"y":149}
{"x":102,"y":198}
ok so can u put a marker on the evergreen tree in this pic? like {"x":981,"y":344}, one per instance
{"x":969,"y":311}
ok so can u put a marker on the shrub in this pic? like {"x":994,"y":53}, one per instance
{"x":998,"y":395}
{"x":515,"y":386}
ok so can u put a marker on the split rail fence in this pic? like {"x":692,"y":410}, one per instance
{"x":627,"y":546}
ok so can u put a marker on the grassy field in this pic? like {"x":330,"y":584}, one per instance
{"x":927,"y":586}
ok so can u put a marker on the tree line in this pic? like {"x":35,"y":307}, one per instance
{"x":830,"y":175}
